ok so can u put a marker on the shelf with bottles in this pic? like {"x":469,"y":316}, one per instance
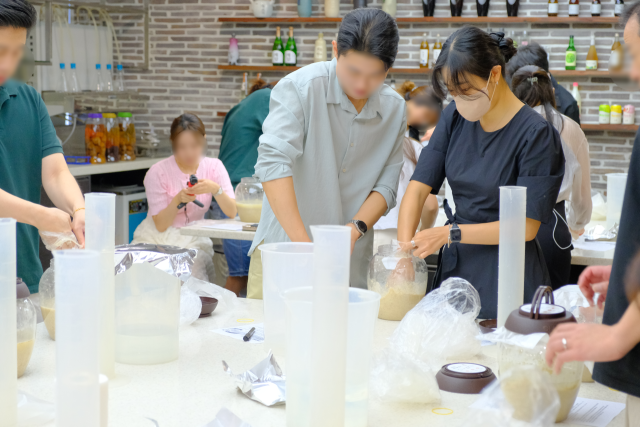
{"x":266,"y":68}
{"x":94,"y":93}
{"x":445,"y":20}
{"x":609,"y":127}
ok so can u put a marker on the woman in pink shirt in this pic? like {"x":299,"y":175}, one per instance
{"x":166,"y":188}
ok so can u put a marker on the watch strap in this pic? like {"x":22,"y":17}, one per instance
{"x":359,"y":226}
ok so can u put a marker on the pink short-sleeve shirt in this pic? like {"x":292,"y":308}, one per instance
{"x":165,"y":179}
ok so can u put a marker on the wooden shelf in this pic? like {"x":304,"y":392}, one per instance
{"x":586,"y":73}
{"x":443,"y":20}
{"x":264,"y":68}
{"x":616,"y":128}
{"x":221,"y":114}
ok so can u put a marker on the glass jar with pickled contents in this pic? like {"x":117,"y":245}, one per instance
{"x":249,"y":194}
{"x":127,"y":136}
{"x":95,"y":138}
{"x":400,"y":278}
{"x":26,"y":322}
{"x":113,"y":137}
{"x":47,"y":292}
{"x":541,"y":318}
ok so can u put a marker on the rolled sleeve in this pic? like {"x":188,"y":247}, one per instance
{"x":541,"y":169}
{"x":387,"y":183}
{"x":430,"y":169}
{"x":283,"y":133}
{"x":50,"y":143}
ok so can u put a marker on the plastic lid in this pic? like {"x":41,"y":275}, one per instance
{"x":465,"y":378}
{"x":119,"y":67}
{"x":22,"y":290}
{"x":95,"y":116}
{"x":605,"y":107}
{"x":616,"y":108}
{"x":125,"y":114}
{"x":575,"y":84}
{"x":109,"y":115}
{"x":108,"y":66}
{"x":73,"y":65}
{"x":62,"y":65}
{"x":538,"y":316}
{"x":97,"y":66}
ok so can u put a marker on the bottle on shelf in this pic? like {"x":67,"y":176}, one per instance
{"x":482,"y":6}
{"x":332,"y":8}
{"x":512,"y":7}
{"x":304,"y":8}
{"x":119,"y":81}
{"x":592,"y":55}
{"x":291,"y":51}
{"x":618,"y":8}
{"x":244,"y":89}
{"x":617,"y":55}
{"x":392,"y":84}
{"x":424,"y":52}
{"x":437,"y":48}
{"x":515,"y":39}
{"x":428,"y":7}
{"x":576,"y":95}
{"x":234,"y":53}
{"x":320,"y":52}
{"x":553,"y":8}
{"x":570,"y":56}
{"x":107,"y":78}
{"x":596,"y":7}
{"x":525,"y":39}
{"x":456,"y":7}
{"x":72,"y":81}
{"x":98,"y":84}
{"x":277,"y":53}
{"x":574,"y":7}
{"x":357,"y":4}
{"x":62,"y":85}
{"x":390,"y":6}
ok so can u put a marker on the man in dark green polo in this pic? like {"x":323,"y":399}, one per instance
{"x":30,"y":153}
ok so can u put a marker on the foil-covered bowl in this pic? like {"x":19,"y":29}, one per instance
{"x":172,"y":260}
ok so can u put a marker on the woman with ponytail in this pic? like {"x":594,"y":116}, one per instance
{"x":486,"y":138}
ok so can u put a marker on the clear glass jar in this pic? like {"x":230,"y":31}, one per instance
{"x":26,"y":322}
{"x":249,"y":194}
{"x":47,"y":292}
{"x":567,"y":383}
{"x":113,"y":137}
{"x":127,"y":136}
{"x":95,"y":139}
{"x":400,"y":278}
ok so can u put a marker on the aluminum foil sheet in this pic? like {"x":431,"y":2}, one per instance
{"x":601,"y":233}
{"x":264,"y":383}
{"x":173,"y":260}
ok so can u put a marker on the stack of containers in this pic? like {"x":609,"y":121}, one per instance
{"x":127,"y":136}
{"x":95,"y":139}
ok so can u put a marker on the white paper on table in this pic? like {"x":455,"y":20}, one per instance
{"x":591,"y":412}
{"x":229,"y":227}
{"x":598,"y":246}
{"x":238,"y":332}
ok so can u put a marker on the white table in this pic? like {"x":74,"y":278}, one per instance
{"x":137,"y":164}
{"x":203,"y":229}
{"x":190,"y":391}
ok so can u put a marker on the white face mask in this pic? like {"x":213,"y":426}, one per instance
{"x":473,"y":109}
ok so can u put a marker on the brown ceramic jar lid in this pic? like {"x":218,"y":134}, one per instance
{"x":22,"y":290}
{"x":538,"y":316}
{"x":464,"y":378}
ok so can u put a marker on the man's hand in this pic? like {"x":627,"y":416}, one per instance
{"x":184,"y":196}
{"x":595,"y":279}
{"x":53,"y":220}
{"x":355,"y":235}
{"x":77,"y":226}
{"x":205,"y":186}
{"x":429,"y":240}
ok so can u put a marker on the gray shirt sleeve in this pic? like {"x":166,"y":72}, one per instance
{"x":283,"y":133}
{"x":387,"y":183}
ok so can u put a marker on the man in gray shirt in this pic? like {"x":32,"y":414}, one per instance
{"x":331,"y":149}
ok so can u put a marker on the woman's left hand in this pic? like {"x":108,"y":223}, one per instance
{"x":429,"y":240}
{"x":205,"y":186}
{"x":584,"y":341}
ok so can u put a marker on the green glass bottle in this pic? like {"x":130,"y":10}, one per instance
{"x":570,"y":58}
{"x":290,"y":50}
{"x":277,"y":54}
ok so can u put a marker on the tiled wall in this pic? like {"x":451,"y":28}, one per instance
{"x":188,"y":42}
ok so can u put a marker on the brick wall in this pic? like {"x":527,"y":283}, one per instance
{"x":187,"y":44}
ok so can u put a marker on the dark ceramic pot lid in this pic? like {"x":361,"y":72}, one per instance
{"x":465,"y":378}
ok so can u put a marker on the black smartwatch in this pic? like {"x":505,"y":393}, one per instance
{"x":361,"y":226}
{"x":455,"y":234}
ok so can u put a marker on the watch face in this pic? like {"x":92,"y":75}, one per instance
{"x":362,"y":226}
{"x":455,"y":234}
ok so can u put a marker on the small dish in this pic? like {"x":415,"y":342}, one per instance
{"x":208,"y":306}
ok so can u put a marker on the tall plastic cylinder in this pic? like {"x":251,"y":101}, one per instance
{"x":78,"y":291}
{"x":616,"y":183}
{"x":363,"y":311}
{"x":513,"y":223}
{"x":8,"y":327}
{"x":284,"y":266}
{"x":331,"y":261}
{"x":100,"y":234}
{"x":332,"y":8}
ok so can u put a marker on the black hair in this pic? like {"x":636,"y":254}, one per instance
{"x":17,"y":14}
{"x":531,"y":54}
{"x":470,"y":51}
{"x":532,"y":85}
{"x":630,"y":10}
{"x":371,"y":31}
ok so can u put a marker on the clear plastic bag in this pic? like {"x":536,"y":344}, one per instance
{"x":190,"y":306}
{"x":571,"y":298}
{"x":33,"y":411}
{"x":59,"y":241}
{"x":523,"y":397}
{"x":206,"y":289}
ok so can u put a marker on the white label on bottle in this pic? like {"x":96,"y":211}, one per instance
{"x":289,"y":57}
{"x":467,"y":368}
{"x":436,"y":53}
{"x":276,"y":57}
{"x":596,"y":8}
{"x":618,"y":9}
{"x":627,"y":119}
{"x":574,"y":9}
{"x":614,"y":59}
{"x":603,"y":117}
{"x":592,"y":64}
{"x":616,"y":118}
{"x":544,"y":309}
{"x":424,"y":56}
{"x":553,"y":7}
